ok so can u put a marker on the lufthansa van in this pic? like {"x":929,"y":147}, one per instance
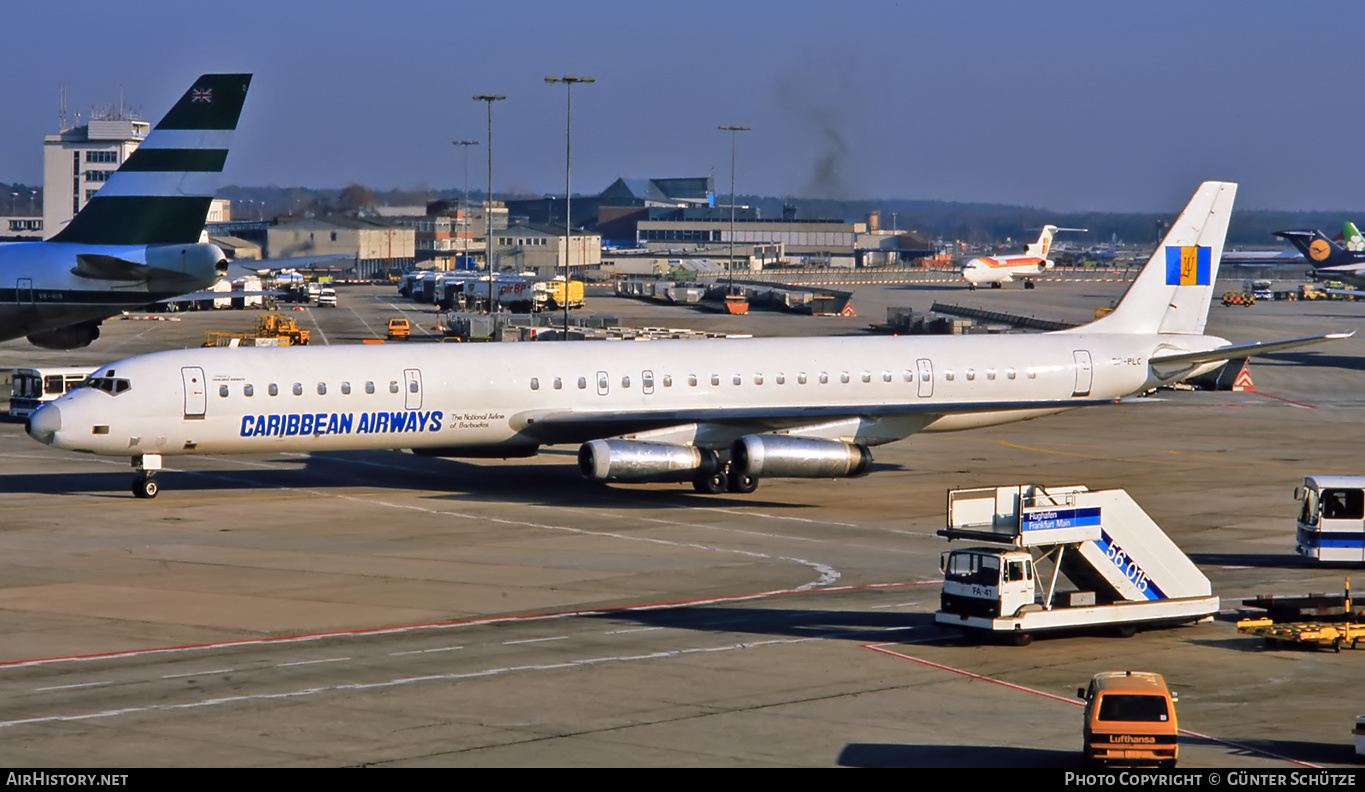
{"x":1130,"y":720}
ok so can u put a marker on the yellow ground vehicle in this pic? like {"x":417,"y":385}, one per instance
{"x":1130,"y":720}
{"x":399,"y":329}
{"x":271,"y":330}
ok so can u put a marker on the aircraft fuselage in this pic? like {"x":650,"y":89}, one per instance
{"x":508,"y":399}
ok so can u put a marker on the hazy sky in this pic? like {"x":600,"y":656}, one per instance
{"x":1065,"y":105}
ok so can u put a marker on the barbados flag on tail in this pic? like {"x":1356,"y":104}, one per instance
{"x":1188,"y":266}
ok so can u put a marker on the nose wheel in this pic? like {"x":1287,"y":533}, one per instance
{"x":144,"y":483}
{"x":144,"y":486}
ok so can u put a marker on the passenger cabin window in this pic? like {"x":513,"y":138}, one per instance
{"x":223,"y":391}
{"x":273,"y":389}
{"x":668,"y":380}
{"x":582,"y":383}
{"x":990,"y":374}
{"x":971,"y":374}
{"x":1032,"y":374}
{"x":801,"y":378}
{"x":1009,"y":373}
{"x":886,"y":376}
{"x":535,"y":383}
{"x":843,"y":377}
{"x":298,"y":389}
{"x":412,"y":386}
{"x":715,"y":379}
{"x":248,"y":390}
{"x":369,"y":387}
{"x":948,"y":375}
{"x":322,"y":389}
{"x":346,"y":389}
{"x":625,"y":382}
{"x":758,"y":379}
{"x":867,"y":376}
{"x":559,"y":383}
{"x":393,"y":386}
{"x":781,"y":379}
{"x":692,"y":380}
{"x":602,"y":383}
{"x":824,"y":378}
{"x":647,"y":380}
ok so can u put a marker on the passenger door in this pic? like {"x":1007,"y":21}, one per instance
{"x":195,"y":399}
{"x":1084,"y":373}
{"x":925,"y":375}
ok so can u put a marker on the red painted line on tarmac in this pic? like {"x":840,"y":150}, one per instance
{"x":882,"y":648}
{"x":301,"y":637}
{"x":1287,"y":401}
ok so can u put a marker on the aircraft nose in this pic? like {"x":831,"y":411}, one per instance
{"x":44,"y":424}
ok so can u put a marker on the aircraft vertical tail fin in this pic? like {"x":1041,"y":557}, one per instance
{"x":1173,"y":291}
{"x":162,"y":193}
{"x":1044,"y":243}
{"x":1317,"y":248}
{"x":1352,"y":239}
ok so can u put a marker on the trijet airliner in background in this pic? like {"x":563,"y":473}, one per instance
{"x":719,"y":413}
{"x":999,"y":270}
{"x":136,"y":241}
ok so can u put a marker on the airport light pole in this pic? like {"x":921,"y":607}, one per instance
{"x":730,"y":263}
{"x":488,"y":211}
{"x":461,"y":211}
{"x":569,"y":80}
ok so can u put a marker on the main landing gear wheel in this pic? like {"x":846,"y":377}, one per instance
{"x":997,"y":285}
{"x":741,"y":484}
{"x":145,"y":487}
{"x":713,"y":484}
{"x":1028,"y":284}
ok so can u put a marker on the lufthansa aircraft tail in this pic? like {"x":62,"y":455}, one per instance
{"x":162,"y":193}
{"x":1319,"y":250}
{"x":1173,"y":292}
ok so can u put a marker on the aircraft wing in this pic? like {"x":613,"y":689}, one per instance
{"x":1189,"y":359}
{"x":257,"y":266}
{"x":214,"y":295}
{"x":577,"y":427}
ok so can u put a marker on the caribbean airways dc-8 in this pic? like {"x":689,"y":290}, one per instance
{"x":136,"y":240}
{"x":719,"y":413}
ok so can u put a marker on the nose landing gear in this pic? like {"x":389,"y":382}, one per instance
{"x":144,"y":483}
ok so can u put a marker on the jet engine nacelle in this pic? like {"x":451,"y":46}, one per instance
{"x":798,"y":457}
{"x":70,"y":337}
{"x":633,"y":461}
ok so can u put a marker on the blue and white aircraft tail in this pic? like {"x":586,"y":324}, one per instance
{"x":136,"y":241}
{"x":1329,"y":260}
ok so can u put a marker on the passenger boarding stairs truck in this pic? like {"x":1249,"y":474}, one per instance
{"x":1063,"y":558}
{"x":1331,"y":525}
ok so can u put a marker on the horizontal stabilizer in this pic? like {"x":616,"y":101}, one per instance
{"x":102,"y":267}
{"x":1173,"y":363}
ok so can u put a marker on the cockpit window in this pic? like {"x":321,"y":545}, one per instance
{"x":110,"y":385}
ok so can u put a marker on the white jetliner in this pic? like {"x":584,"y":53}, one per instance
{"x":720,"y":413}
{"x":135,"y":241}
{"x":997,"y":270}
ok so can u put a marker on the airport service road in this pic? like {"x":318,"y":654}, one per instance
{"x":643,"y":625}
